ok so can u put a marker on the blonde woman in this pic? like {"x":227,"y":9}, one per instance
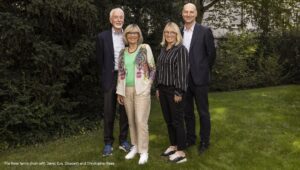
{"x":135,"y":77}
{"x":171,"y":82}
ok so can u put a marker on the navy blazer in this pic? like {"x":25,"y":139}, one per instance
{"x":105,"y":58}
{"x":202,"y":54}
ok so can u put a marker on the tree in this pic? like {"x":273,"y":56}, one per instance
{"x":48,"y":77}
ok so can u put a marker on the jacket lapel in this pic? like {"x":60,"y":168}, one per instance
{"x":181,"y":31}
{"x":110,"y":42}
{"x":195,"y":35}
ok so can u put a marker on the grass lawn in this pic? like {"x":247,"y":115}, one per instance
{"x":251,"y":129}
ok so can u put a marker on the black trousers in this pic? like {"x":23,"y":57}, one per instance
{"x":110,"y":104}
{"x":173,"y":115}
{"x":200,"y":95}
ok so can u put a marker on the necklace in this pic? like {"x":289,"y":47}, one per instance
{"x":131,"y":51}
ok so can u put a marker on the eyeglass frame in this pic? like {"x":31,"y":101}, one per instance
{"x":170,"y":33}
{"x":133,"y":33}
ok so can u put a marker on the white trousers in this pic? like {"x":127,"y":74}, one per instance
{"x":138,"y":110}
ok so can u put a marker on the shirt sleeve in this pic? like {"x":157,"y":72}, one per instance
{"x":181,"y":71}
{"x":99,"y":53}
{"x":210,"y":47}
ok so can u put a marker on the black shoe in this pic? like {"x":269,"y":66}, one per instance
{"x":202,"y":148}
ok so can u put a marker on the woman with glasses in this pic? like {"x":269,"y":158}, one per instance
{"x":135,"y":77}
{"x":171,"y":83}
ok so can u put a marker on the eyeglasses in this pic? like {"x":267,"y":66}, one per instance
{"x":170,"y":32}
{"x":133,"y":33}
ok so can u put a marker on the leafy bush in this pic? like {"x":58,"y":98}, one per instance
{"x":49,"y":85}
{"x":287,"y":46}
{"x":239,"y":64}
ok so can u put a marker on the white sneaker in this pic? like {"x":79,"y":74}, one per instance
{"x":143,"y":158}
{"x":171,"y":150}
{"x":176,"y":158}
{"x":173,"y":156}
{"x":132,"y":153}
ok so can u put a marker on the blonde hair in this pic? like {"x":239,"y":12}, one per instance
{"x":174,"y":27}
{"x":132,"y":28}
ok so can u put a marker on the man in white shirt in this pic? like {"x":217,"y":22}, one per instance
{"x":108,"y":46}
{"x":199,"y":41}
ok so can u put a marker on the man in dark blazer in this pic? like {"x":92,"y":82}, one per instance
{"x":199,"y":41}
{"x":108,"y":45}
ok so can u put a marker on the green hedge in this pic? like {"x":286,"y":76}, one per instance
{"x":241,"y":63}
{"x":49,"y":84}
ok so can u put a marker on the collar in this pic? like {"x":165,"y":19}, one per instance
{"x":191,"y":29}
{"x":173,"y":47}
{"x":115,"y":32}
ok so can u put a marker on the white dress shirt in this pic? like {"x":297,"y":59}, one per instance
{"x":118,"y":45}
{"x":187,"y":37}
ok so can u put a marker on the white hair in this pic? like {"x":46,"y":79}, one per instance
{"x":115,"y":10}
